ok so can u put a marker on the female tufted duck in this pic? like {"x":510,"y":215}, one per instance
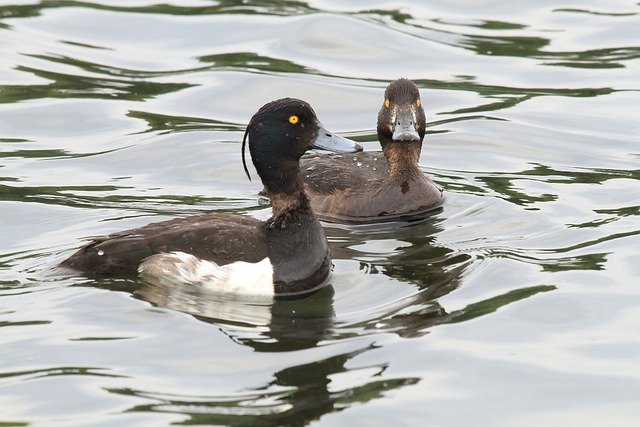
{"x":375,"y":186}
{"x":285,"y":256}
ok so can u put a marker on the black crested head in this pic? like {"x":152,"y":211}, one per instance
{"x":279,"y":134}
{"x":402,"y":117}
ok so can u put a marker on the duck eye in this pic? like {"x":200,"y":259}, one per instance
{"x":386,"y":103}
{"x":418,"y":103}
{"x":293,"y":119}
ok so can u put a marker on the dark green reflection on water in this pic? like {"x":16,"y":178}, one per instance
{"x":245,"y":61}
{"x":101,"y":338}
{"x":430,"y":313}
{"x":596,"y":58}
{"x":24,"y":323}
{"x":491,"y":305}
{"x":592,"y":12}
{"x":519,"y":46}
{"x":262,"y":7}
{"x":500,"y":25}
{"x":301,"y":393}
{"x":417,"y":259}
{"x":279,"y":326}
{"x":485,"y":24}
{"x":505,"y":187}
{"x":305,"y":398}
{"x":77,"y":87}
{"x":34,"y":153}
{"x":163,"y":124}
{"x":64,"y":196}
{"x":506,"y":96}
{"x":620,"y":212}
{"x":290,"y":326}
{"x":504,"y":184}
{"x":532,"y":47}
{"x":61,"y":370}
{"x":45,"y":154}
{"x":577,"y":262}
{"x":108,"y":70}
{"x":13,"y":140}
{"x":584,"y":176}
{"x":135,"y":84}
{"x":435,"y":270}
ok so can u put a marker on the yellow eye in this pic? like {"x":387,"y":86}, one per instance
{"x":386,"y":103}
{"x":418,"y":103}
{"x":293,"y":120}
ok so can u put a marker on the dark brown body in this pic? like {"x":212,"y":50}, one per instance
{"x":374,"y":192}
{"x":298,"y":251}
{"x":222,"y":238}
{"x":377,"y":186}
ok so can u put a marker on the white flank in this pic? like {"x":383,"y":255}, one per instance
{"x":177,"y":268}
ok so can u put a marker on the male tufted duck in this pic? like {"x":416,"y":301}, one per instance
{"x":377,"y":186}
{"x":285,"y":256}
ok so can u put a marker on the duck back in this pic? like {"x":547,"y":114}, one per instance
{"x":221,"y":238}
{"x":359,"y":188}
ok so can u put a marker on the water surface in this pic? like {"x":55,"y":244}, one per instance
{"x":516,"y":305}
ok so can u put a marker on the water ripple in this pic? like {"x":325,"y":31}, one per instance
{"x":115,"y":115}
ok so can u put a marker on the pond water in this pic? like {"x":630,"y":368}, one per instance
{"x":518,"y":304}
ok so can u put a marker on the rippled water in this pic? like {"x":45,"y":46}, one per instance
{"x":518,"y":304}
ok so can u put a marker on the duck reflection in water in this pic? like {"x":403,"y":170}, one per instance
{"x":306,"y":391}
{"x":303,"y":323}
{"x":415,"y":258}
{"x":432,"y":269}
{"x":262,"y":325}
{"x":299,"y":392}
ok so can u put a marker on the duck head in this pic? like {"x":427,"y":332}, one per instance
{"x":280,"y":133}
{"x":401,"y":118}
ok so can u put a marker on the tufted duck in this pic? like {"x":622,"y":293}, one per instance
{"x":285,"y":256}
{"x":377,"y":186}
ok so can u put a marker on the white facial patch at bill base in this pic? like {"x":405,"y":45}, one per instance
{"x":241,"y":278}
{"x":394,"y":116}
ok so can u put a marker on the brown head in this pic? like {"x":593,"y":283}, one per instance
{"x":401,"y":124}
